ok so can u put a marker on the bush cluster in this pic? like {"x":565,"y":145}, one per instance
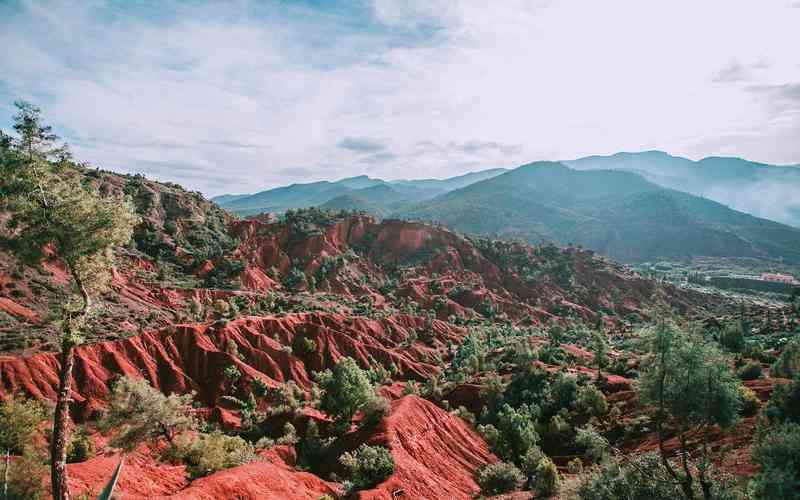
{"x":499,"y":478}
{"x":367,"y":466}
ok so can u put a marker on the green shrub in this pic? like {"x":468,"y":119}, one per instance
{"x":20,"y":420}
{"x":732,"y":336}
{"x":464,"y":414}
{"x":223,"y":272}
{"x":531,"y":460}
{"x":411,"y":387}
{"x":367,"y":466}
{"x":138,"y":412}
{"x":314,"y":451}
{"x":498,"y":478}
{"x":374,"y":409}
{"x":788,"y":363}
{"x":516,"y":432}
{"x":289,"y":436}
{"x":784,"y":403}
{"x":750,"y":402}
{"x":642,"y":477}
{"x":346,"y":390}
{"x":778,"y":454}
{"x":547,"y":479}
{"x":592,"y":401}
{"x":595,"y":446}
{"x":25,"y":476}
{"x":294,"y":280}
{"x":287,"y":399}
{"x":751,"y":371}
{"x":575,"y":466}
{"x":562,"y":394}
{"x":309,"y":346}
{"x":81,"y":446}
{"x":209,"y":453}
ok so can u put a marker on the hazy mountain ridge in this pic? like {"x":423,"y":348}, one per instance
{"x":615,"y":212}
{"x":769,"y":191}
{"x":631,"y":206}
{"x":352,"y":189}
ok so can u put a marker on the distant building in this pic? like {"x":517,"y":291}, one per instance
{"x":780,"y":278}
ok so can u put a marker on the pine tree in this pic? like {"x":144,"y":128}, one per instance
{"x":692,"y":388}
{"x":56,"y":213}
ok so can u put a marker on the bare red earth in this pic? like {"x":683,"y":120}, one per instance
{"x":436,"y":454}
{"x":188,"y":358}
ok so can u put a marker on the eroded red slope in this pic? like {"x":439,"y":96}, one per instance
{"x":193,"y":357}
{"x":272,"y":477}
{"x":436,"y":454}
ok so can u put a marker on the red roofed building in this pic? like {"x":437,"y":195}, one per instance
{"x":781,"y":278}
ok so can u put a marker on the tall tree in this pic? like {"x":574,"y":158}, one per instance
{"x":691,"y":386}
{"x":56,"y":213}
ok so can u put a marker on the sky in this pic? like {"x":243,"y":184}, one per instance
{"x":241,"y":96}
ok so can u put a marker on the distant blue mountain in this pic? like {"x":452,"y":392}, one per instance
{"x":769,"y":191}
{"x":359,"y":192}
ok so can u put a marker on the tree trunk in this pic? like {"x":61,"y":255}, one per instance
{"x":688,"y":481}
{"x":58,"y":446}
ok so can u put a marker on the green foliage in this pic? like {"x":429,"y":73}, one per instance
{"x":294,"y":280}
{"x":750,"y":371}
{"x":367,"y":466}
{"x":137,"y":412}
{"x":309,"y":346}
{"x":591,"y":401}
{"x":690,"y":384}
{"x":346,"y":390}
{"x":530,"y":461}
{"x":498,"y":478}
{"x":374,"y":409}
{"x":287,"y":399}
{"x":595,"y":445}
{"x":732,"y":336}
{"x":306,"y":222}
{"x":750,"y":401}
{"x":411,"y":387}
{"x":25,"y":475}
{"x":514,"y":431}
{"x":289,"y":436}
{"x":313,"y":450}
{"x":232,"y":373}
{"x":53,"y":208}
{"x":225,"y":269}
{"x":788,"y":364}
{"x":784,"y":403}
{"x":81,"y":446}
{"x":547,"y":479}
{"x":209,"y":453}
{"x":641,"y":478}
{"x":562,"y":394}
{"x":575,"y":466}
{"x":778,"y":455}
{"x":20,"y":421}
{"x":600,"y":350}
{"x":689,"y":380}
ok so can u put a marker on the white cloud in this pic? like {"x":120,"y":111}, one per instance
{"x":250,"y":95}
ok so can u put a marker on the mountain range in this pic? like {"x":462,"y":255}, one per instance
{"x":769,"y":191}
{"x":362,"y":192}
{"x":631,"y":206}
{"x":617,"y":213}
